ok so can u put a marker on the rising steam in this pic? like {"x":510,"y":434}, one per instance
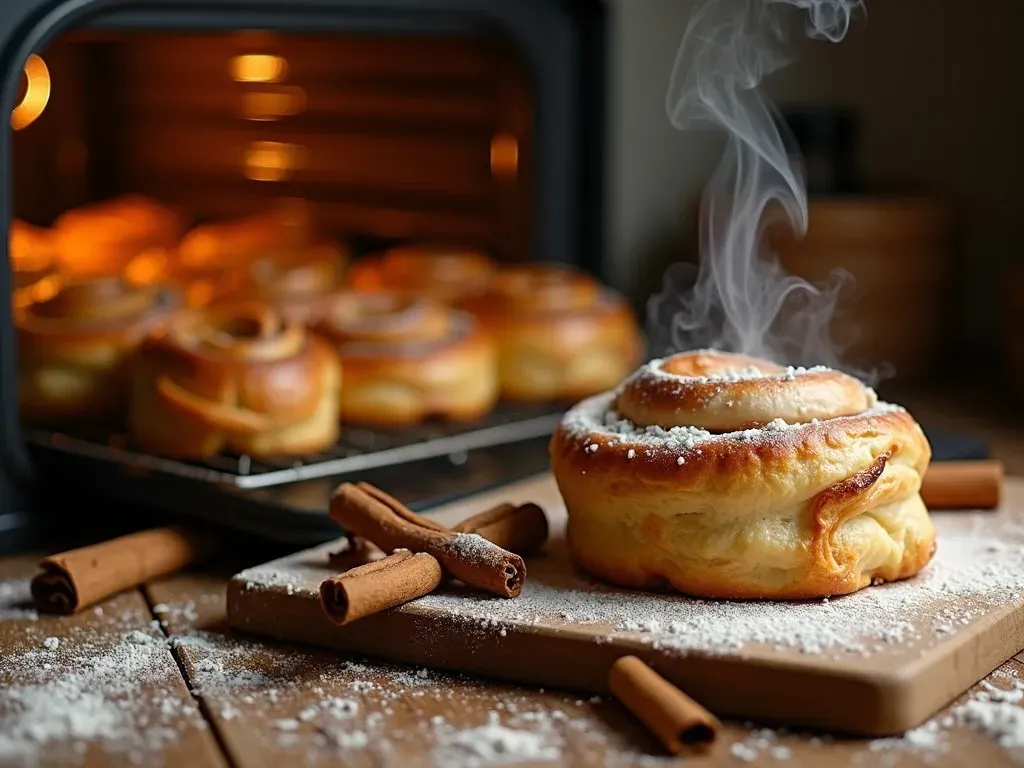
{"x":740,"y":299}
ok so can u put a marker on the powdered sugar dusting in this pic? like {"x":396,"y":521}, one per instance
{"x":655,"y":368}
{"x":16,"y":600}
{"x":62,"y":694}
{"x":596,"y":416}
{"x":495,"y":744}
{"x":977,"y":568}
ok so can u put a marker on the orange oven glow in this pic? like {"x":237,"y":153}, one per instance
{"x":272,"y":160}
{"x":504,"y":156}
{"x":37,"y":93}
{"x":258,"y":68}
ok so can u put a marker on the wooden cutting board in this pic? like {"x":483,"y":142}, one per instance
{"x":875,"y":663}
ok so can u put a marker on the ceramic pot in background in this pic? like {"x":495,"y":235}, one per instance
{"x":901,"y":253}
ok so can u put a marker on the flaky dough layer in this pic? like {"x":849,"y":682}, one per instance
{"x":787,"y":510}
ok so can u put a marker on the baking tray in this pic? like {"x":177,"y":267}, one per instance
{"x":287,"y":500}
{"x":359,"y":449}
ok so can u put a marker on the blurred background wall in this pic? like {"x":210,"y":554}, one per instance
{"x":937,"y":88}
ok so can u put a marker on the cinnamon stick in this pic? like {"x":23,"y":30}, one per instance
{"x":79,"y":578}
{"x":351,"y":553}
{"x":682,"y":725}
{"x":398,"y":578}
{"x":366,"y":512}
{"x":963,"y":484}
{"x":522,"y":529}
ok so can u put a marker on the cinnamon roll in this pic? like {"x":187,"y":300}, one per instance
{"x":74,"y":348}
{"x":292,"y":281}
{"x":434,"y":271}
{"x":33,"y":257}
{"x":102,"y":239}
{"x":235,"y":378}
{"x":560,"y":334}
{"x":406,"y":360}
{"x":235,"y":242}
{"x":728,"y":476}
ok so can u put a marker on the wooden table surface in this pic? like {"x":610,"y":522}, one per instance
{"x":153,"y":677}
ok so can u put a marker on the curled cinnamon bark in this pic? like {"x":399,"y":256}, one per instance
{"x":681,"y":724}
{"x":398,"y":578}
{"x":522,"y":529}
{"x":963,"y":484}
{"x":362,"y":510}
{"x":73,"y":580}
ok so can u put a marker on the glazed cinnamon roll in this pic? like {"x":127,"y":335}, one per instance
{"x":560,"y":334}
{"x":407,"y":360}
{"x":74,"y":348}
{"x":102,"y":239}
{"x":433,"y":271}
{"x":235,"y":378}
{"x":728,"y":476}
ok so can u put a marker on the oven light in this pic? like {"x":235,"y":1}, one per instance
{"x":272,"y":160}
{"x":258,"y":68}
{"x":504,"y":156}
{"x":37,"y":93}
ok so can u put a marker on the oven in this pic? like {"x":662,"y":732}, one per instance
{"x":470,"y":124}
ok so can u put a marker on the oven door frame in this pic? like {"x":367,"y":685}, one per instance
{"x":561,"y":43}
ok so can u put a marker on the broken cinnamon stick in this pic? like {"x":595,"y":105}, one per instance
{"x":522,"y":529}
{"x":682,"y":725}
{"x":963,"y":484}
{"x":79,"y":578}
{"x":367,"y":512}
{"x":398,"y":578}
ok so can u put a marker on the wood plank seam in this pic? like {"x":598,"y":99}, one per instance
{"x":211,"y":721}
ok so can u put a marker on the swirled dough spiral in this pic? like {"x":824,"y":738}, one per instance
{"x":725,"y":476}
{"x":560,"y":334}
{"x":406,"y":360}
{"x":75,"y":348}
{"x":235,"y":378}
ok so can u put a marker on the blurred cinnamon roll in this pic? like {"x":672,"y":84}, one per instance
{"x":227,"y":244}
{"x":33,"y":256}
{"x":102,"y":239}
{"x":560,"y":334}
{"x":74,"y":349}
{"x":728,"y":476}
{"x":292,"y":281}
{"x":406,"y":360}
{"x":438,"y":272}
{"x":234,"y":378}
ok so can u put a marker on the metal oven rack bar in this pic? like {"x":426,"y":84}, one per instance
{"x":358,"y":450}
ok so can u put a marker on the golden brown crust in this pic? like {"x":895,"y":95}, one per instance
{"x":438,"y":272}
{"x":235,"y":242}
{"x":74,"y":348}
{"x":235,"y":378}
{"x":293,"y":281}
{"x":560,"y":334}
{"x":406,"y":360}
{"x":665,"y":393}
{"x":788,"y":511}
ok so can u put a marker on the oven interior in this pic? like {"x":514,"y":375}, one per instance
{"x":378,"y":139}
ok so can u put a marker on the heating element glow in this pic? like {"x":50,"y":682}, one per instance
{"x":37,"y":93}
